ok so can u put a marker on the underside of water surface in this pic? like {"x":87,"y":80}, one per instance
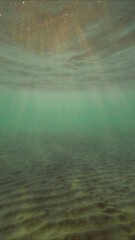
{"x":67,"y":120}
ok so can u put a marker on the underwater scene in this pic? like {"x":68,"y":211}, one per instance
{"x":67,"y":120}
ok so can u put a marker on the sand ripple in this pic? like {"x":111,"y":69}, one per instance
{"x":67,"y":194}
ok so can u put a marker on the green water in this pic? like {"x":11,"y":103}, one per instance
{"x":98,"y":110}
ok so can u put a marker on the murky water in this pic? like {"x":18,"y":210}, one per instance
{"x":67,"y":120}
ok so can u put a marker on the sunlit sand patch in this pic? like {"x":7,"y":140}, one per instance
{"x":75,"y":184}
{"x":22,"y":202}
{"x":20,"y":232}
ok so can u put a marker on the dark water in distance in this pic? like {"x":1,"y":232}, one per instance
{"x":67,"y":120}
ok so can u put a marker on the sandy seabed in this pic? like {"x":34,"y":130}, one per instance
{"x":67,"y":188}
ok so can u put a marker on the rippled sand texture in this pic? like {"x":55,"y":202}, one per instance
{"x":67,"y":188}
